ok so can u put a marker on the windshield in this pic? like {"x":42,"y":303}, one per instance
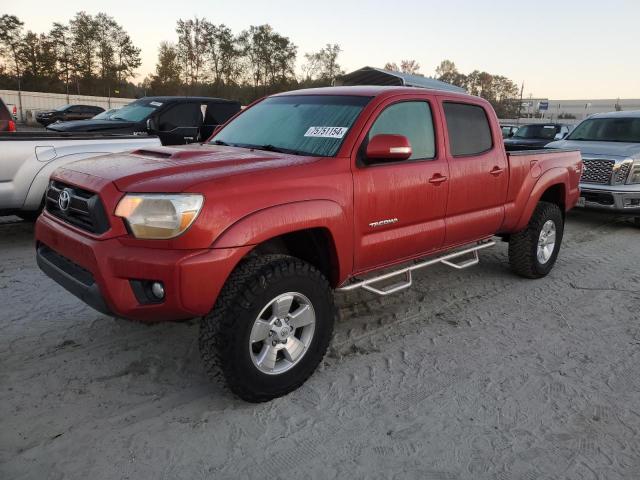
{"x":106,"y":115}
{"x":546,"y":132}
{"x":136,"y":111}
{"x":302,"y":124}
{"x":608,"y":130}
{"x":62,"y":108}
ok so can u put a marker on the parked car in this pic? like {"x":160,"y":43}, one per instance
{"x":508,"y":130}
{"x":7,"y":122}
{"x":537,"y":135}
{"x":176,"y":120}
{"x":67,"y":113}
{"x":302,"y":193}
{"x":610,"y":146}
{"x":28,"y":158}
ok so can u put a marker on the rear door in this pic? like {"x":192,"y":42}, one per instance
{"x":400,"y":205}
{"x":478,"y":171}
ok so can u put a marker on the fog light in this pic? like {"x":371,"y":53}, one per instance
{"x":157,"y":289}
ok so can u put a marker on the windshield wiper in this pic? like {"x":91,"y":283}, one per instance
{"x":220,"y":142}
{"x":273,"y":148}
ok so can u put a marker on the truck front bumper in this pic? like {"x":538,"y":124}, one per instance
{"x":108,"y":275}
{"x":623,"y":199}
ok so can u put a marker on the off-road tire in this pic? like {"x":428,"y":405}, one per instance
{"x":523,"y":245}
{"x":225,"y":331}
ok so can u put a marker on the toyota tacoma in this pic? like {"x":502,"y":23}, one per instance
{"x":301,"y":194}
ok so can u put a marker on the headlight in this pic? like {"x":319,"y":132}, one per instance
{"x":159,"y":216}
{"x":634,"y":176}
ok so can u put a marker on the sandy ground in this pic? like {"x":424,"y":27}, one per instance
{"x":476,"y":374}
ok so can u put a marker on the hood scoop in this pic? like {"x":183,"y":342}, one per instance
{"x":151,"y":153}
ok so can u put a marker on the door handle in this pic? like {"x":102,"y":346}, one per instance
{"x":496,"y":171}
{"x":437,"y":179}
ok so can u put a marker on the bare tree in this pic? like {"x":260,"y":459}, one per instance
{"x":323,"y":64}
{"x":61,"y":42}
{"x":191,"y":49}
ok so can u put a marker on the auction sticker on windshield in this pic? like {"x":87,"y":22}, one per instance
{"x":326,"y":132}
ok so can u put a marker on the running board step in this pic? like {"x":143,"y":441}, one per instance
{"x":369,"y":283}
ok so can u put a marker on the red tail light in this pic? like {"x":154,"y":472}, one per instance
{"x":15,"y":111}
{"x":12,"y":126}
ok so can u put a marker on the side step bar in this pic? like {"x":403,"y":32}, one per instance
{"x":368,"y":284}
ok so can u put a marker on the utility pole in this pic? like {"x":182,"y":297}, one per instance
{"x":520,"y":104}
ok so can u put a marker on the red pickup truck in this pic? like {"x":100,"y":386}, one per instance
{"x":301,"y":194}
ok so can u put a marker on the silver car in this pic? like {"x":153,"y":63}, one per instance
{"x":27,"y":159}
{"x":610,"y":146}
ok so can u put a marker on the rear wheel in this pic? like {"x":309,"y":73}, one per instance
{"x":270,"y":327}
{"x":533,"y":251}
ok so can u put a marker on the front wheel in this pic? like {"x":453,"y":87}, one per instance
{"x":533,"y":251}
{"x":270,"y":327}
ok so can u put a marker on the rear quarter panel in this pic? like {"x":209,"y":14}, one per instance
{"x":531,"y":174}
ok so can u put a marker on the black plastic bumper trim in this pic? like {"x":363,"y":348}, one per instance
{"x":72,"y":277}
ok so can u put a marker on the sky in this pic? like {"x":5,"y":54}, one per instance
{"x":563,"y":49}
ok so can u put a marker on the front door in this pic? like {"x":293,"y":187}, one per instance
{"x":400,"y":205}
{"x":180,"y":124}
{"x":478,"y":174}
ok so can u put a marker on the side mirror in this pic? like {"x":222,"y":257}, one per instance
{"x":389,"y":147}
{"x":152,"y":125}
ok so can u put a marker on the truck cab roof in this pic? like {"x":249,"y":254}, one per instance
{"x":372,"y":91}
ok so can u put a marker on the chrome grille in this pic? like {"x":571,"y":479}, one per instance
{"x":620,"y":175}
{"x":597,"y":171}
{"x":84,"y":208}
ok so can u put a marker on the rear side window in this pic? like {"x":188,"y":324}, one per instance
{"x":469,"y":130}
{"x":413,"y":120}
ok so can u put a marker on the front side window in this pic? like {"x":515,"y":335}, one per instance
{"x":301,"y":124}
{"x":608,"y":130}
{"x":469,"y":130}
{"x":414,"y":121}
{"x":181,"y":115}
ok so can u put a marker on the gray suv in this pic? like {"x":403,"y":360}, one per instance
{"x":610,"y":146}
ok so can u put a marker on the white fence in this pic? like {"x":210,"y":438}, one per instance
{"x":34,"y":101}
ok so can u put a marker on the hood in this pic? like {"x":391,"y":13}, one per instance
{"x":90,"y":126}
{"x":177,"y":169}
{"x":605,"y":149}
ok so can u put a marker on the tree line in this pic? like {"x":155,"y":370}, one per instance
{"x":500,"y":91}
{"x":94,"y":55}
{"x":89,"y":55}
{"x":210,"y":59}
